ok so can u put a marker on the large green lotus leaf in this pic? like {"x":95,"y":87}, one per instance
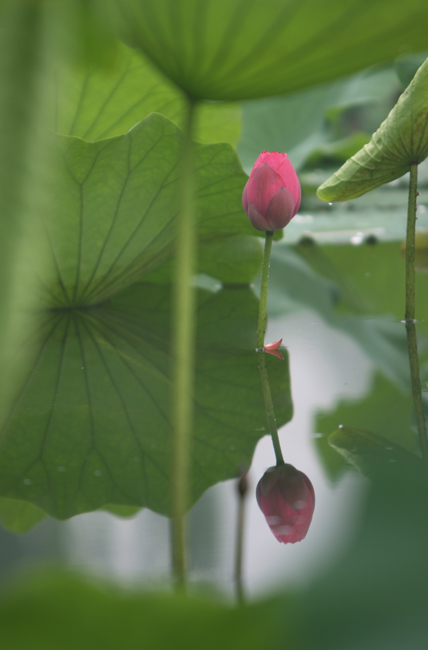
{"x":400,"y":140}
{"x":296,"y":123}
{"x":243,"y":49}
{"x":114,"y":205}
{"x":92,"y":424}
{"x":386,"y":411}
{"x":232,"y":260}
{"x":95,"y":102}
{"x":369,"y":452}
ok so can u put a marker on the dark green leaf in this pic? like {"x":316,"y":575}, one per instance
{"x":375,"y":593}
{"x":92,"y":425}
{"x":401,"y":139}
{"x":236,"y":49}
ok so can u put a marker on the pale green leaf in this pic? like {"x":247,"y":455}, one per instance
{"x":94,"y":101}
{"x":114,"y":203}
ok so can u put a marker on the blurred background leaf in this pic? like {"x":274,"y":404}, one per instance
{"x":65,"y":611}
{"x":229,"y":49}
{"x":374,"y":596}
{"x":305,"y":123}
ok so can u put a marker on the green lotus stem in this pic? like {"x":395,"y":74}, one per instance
{"x":410,"y":314}
{"x":270,"y":413}
{"x":183,"y":351}
{"x":261,"y":328}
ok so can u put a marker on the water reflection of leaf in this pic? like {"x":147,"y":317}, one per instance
{"x":371,"y":453}
{"x":92,"y":424}
{"x":386,"y":410}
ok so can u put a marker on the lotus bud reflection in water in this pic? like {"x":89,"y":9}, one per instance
{"x":272,"y":194}
{"x":287,"y":499}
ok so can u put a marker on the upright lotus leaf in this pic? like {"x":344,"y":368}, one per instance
{"x":242,"y":49}
{"x":94,"y":102}
{"x":370,"y":453}
{"x":401,"y":139}
{"x":91,"y":425}
{"x":114,"y":205}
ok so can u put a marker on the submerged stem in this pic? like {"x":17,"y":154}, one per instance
{"x":183,"y":351}
{"x":410,"y":313}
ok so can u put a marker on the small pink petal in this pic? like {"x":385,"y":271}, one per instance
{"x":272,"y":346}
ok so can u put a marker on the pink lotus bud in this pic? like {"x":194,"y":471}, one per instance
{"x":273,"y":348}
{"x":272,"y":194}
{"x":287,"y":499}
